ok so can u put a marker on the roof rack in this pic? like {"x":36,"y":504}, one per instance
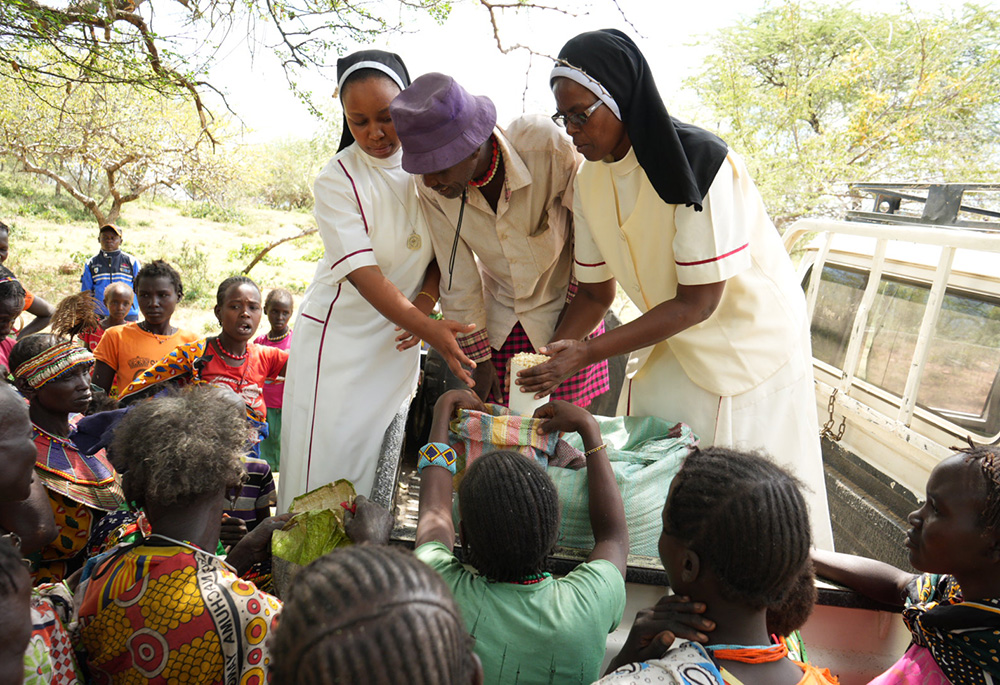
{"x":942,"y":203}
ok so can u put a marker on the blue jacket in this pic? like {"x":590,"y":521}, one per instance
{"x":106,"y":268}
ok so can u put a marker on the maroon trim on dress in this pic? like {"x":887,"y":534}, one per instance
{"x":348,"y":256}
{"x":575,"y":261}
{"x":713,"y":259}
{"x":356,"y":196}
{"x":319,"y":364}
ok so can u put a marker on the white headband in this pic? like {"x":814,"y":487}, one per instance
{"x":370,"y":65}
{"x":591,"y":84}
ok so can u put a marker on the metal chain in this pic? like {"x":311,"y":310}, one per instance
{"x":827,"y":430}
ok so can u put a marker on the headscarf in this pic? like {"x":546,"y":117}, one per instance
{"x":962,"y":636}
{"x":680,"y":160}
{"x":388,"y":63}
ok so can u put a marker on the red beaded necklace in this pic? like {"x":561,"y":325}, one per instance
{"x":225,"y":353}
{"x":492,"y":171}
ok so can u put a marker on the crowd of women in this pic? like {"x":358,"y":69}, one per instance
{"x":146,"y":527}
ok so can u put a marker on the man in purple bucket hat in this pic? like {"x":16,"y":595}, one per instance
{"x":499,"y":205}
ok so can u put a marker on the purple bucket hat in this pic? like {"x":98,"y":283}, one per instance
{"x":439,"y":123}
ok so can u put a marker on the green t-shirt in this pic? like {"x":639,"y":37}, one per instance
{"x":550,"y":632}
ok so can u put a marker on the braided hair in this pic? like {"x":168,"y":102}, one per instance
{"x":746,"y":519}
{"x":510,"y":516}
{"x":279,"y":294}
{"x":988,"y":457}
{"x":220,"y":295}
{"x":370,"y":614}
{"x":11,"y":289}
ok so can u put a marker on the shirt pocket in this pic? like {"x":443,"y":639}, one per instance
{"x":547,"y":241}
{"x":318,"y":303}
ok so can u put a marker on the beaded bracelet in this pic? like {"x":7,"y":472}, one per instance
{"x":438,"y":454}
{"x":596,"y":449}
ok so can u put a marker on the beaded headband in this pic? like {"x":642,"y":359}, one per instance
{"x":54,"y":361}
{"x":8,"y":279}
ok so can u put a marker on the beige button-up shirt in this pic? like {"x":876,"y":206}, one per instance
{"x":515,"y":264}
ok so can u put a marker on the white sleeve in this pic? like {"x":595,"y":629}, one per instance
{"x":714,"y":244}
{"x":589,"y":265}
{"x":343,"y":225}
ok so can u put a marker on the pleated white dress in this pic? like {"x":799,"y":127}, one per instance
{"x":345,"y":379}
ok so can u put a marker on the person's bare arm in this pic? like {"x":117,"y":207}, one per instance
{"x":607,"y":514}
{"x":42,"y":311}
{"x":434,"y":523}
{"x":581,"y":316}
{"x":103,"y":376}
{"x":426,"y":299}
{"x":873,"y":579}
{"x":692,"y":305}
{"x":393,"y":305}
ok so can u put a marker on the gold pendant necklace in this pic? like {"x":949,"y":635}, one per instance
{"x":413,"y":242}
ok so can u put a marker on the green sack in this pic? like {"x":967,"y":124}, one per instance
{"x":646,"y":453}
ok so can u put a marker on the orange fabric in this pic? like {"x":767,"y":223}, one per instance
{"x":129,"y":350}
{"x":816,"y":676}
{"x":29,"y":299}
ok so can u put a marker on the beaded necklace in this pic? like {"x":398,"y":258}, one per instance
{"x":762,"y":654}
{"x":226,"y":353}
{"x":533,"y":579}
{"x":288,"y":332}
{"x":492,"y":171}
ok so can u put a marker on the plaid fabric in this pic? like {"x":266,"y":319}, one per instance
{"x":646,"y":453}
{"x":580,"y":389}
{"x":476,"y":345}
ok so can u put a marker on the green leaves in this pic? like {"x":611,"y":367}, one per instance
{"x":818,"y":96}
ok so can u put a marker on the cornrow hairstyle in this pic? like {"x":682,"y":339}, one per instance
{"x":31,"y":346}
{"x":10,"y":290}
{"x":791,"y":613}
{"x":280,"y":294}
{"x":988,"y":457}
{"x":746,"y":519}
{"x":13,"y":573}
{"x":160,"y":269}
{"x":224,"y":287}
{"x":180,"y":447}
{"x":510,"y":516}
{"x":370,"y":614}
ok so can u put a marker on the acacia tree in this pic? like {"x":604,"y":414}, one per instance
{"x":106,"y":144}
{"x":168,"y":45}
{"x":818,"y":96}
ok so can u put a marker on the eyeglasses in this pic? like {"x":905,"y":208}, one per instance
{"x":580,"y":119}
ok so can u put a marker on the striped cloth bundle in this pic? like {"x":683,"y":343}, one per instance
{"x":475,"y":433}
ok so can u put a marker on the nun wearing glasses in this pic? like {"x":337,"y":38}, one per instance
{"x":354,"y":359}
{"x":669,"y":213}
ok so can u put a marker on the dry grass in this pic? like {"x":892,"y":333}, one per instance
{"x":49,"y":256}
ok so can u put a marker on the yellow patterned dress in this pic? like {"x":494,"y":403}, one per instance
{"x":167,"y":612}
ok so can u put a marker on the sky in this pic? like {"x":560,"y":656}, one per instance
{"x":673,"y":36}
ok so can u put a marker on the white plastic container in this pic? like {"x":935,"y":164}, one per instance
{"x":524,"y":403}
